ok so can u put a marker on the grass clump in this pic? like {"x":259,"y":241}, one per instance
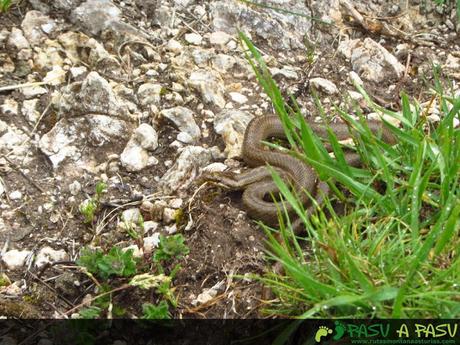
{"x":395,"y":251}
{"x":5,"y":5}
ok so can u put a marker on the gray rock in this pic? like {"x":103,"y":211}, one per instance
{"x":162,"y":16}
{"x":93,"y":95}
{"x":174,"y":46}
{"x":210,"y":85}
{"x":67,"y":284}
{"x":56,"y":76}
{"x":219,"y":38}
{"x":15,"y":258}
{"x":184,"y":120}
{"x":9,"y":107}
{"x":131,"y":215}
{"x":193,"y":38}
{"x":134,"y":157}
{"x":201,"y":56}
{"x":67,"y":137}
{"x":149,"y":94}
{"x":146,"y":136}
{"x":151,"y":242}
{"x":223,"y":63}
{"x":48,"y":254}
{"x":185,"y":138}
{"x":15,"y":195}
{"x":17,"y":40}
{"x":238,"y":97}
{"x":324,"y":85}
{"x":95,"y":15}
{"x":39,"y":6}
{"x":33,"y":91}
{"x":371,"y":60}
{"x":66,"y":5}
{"x":16,"y":141}
{"x":287,"y":72}
{"x":4,"y":33}
{"x":185,"y":169}
{"x":231,"y":125}
{"x":75,"y":187}
{"x":37,"y":27}
{"x":278,"y":28}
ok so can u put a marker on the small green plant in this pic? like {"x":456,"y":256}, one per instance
{"x":156,"y":312}
{"x":89,"y":207}
{"x":92,"y":312}
{"x":117,"y":262}
{"x":170,"y":247}
{"x":5,"y":5}
{"x":135,"y":230}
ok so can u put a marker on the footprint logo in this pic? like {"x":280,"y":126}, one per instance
{"x":321,"y":332}
{"x":339,"y":330}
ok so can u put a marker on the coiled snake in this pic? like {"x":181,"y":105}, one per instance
{"x":257,"y":183}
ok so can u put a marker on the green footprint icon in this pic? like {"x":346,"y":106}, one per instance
{"x":321,"y":332}
{"x":339,"y":330}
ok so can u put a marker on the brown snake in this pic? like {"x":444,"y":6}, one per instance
{"x":257,"y":183}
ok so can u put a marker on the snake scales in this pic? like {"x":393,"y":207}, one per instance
{"x":257,"y":183}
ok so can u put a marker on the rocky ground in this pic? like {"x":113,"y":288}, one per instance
{"x":145,"y":96}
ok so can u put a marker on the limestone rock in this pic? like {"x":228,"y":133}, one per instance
{"x":231,"y":125}
{"x":210,"y":85}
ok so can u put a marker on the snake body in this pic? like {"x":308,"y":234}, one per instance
{"x":257,"y":183}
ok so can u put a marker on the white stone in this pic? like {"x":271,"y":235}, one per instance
{"x":176,"y":203}
{"x":324,"y":85}
{"x":36,"y":26}
{"x":134,"y":158}
{"x":452,"y":63}
{"x":185,"y":138}
{"x":48,"y":254}
{"x":223,"y":62}
{"x":137,"y":253}
{"x":184,"y":170}
{"x":96,"y":15}
{"x":75,"y":188}
{"x":219,"y":38}
{"x":215,"y":167}
{"x":208,"y":294}
{"x":150,"y":226}
{"x":77,"y":71}
{"x":210,"y":85}
{"x":184,"y":119}
{"x":238,"y":97}
{"x":15,"y":195}
{"x":33,"y":91}
{"x":354,"y":78}
{"x":9,"y":107}
{"x":146,"y":136}
{"x":17,"y":40}
{"x":149,"y":93}
{"x":15,"y":258}
{"x":174,"y":46}
{"x":287,"y":72}
{"x":193,"y":38}
{"x":151,"y":242}
{"x":131,"y":215}
{"x":29,"y":107}
{"x":231,"y":125}
{"x":371,"y":60}
{"x":355,"y":95}
{"x":56,"y":76}
{"x":169,"y":215}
